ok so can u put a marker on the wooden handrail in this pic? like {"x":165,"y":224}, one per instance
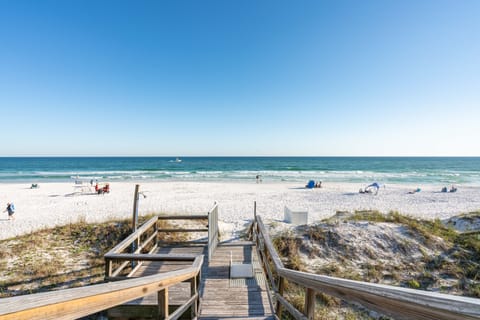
{"x":294,"y":312}
{"x":277,"y":262}
{"x":111,"y":274}
{"x":151,"y":257}
{"x":79,"y":302}
{"x":134,"y":236}
{"x":183,"y":230}
{"x":183,"y":217}
{"x":401,"y":303}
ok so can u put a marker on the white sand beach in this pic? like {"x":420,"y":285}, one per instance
{"x":61,"y":203}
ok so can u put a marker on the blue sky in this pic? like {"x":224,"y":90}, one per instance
{"x":240,"y":78}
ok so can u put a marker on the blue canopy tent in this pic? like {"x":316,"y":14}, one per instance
{"x":372,"y":188}
{"x":374,"y":185}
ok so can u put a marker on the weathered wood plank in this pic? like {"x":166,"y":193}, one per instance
{"x":79,"y":302}
{"x":179,"y":293}
{"x":150,"y":257}
{"x":309,"y":303}
{"x":212,"y":231}
{"x":401,"y":303}
{"x":132,"y":237}
{"x":281,"y":288}
{"x":162,"y":304}
{"x":294,"y":312}
{"x":179,"y":312}
{"x":183,"y":230}
{"x":183,"y":217}
{"x":268,"y":244}
{"x":220,"y":299}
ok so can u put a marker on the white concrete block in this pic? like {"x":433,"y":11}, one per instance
{"x":297,"y":218}
{"x":243,"y":270}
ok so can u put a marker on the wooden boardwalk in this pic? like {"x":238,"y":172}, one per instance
{"x":194,"y":282}
{"x":220,"y":296}
{"x":223,"y":297}
{"x":147,"y":306}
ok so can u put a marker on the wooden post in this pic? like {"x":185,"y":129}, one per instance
{"x":251,"y":229}
{"x":135,"y":209}
{"x":136,"y":242}
{"x":310,"y":303}
{"x":163,"y":304}
{"x":108,"y":268}
{"x":193,"y":291}
{"x":281,"y":287}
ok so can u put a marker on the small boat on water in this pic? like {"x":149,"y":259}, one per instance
{"x":178,"y":160}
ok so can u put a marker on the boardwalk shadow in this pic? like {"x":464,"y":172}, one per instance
{"x":90,"y":275}
{"x":255,"y":301}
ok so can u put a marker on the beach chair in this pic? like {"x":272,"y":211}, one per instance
{"x":102,"y":190}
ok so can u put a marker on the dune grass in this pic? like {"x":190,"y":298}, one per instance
{"x":61,"y":257}
{"x":455,"y":256}
{"x":65,"y":256}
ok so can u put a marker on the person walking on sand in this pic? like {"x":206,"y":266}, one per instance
{"x":11,"y":211}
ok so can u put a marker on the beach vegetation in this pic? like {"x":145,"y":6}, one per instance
{"x":387,"y":248}
{"x":474,"y":290}
{"x":61,"y":257}
{"x":289,"y":246}
{"x":412,"y":283}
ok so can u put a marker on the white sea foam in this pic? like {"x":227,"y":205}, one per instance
{"x":424,"y":176}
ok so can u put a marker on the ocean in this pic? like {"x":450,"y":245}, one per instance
{"x":405,"y":170}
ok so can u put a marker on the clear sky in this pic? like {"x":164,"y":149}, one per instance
{"x":239,"y":77}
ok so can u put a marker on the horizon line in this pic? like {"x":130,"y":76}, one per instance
{"x":238,"y":156}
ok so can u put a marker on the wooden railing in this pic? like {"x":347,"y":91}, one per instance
{"x":120,"y":263}
{"x":127,"y":257}
{"x":400,"y":303}
{"x":80,"y":302}
{"x":212,"y":231}
{"x":185,"y":217}
{"x":143,"y":239}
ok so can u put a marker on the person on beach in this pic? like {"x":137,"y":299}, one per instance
{"x":259,"y":178}
{"x":415,"y":191}
{"x":11,"y":210}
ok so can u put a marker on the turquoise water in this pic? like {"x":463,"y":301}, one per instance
{"x":336,"y":169}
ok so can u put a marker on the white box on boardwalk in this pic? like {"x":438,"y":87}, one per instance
{"x":244,"y":270}
{"x":295,"y":217}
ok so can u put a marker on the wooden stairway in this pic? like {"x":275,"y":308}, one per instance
{"x":226,"y":298}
